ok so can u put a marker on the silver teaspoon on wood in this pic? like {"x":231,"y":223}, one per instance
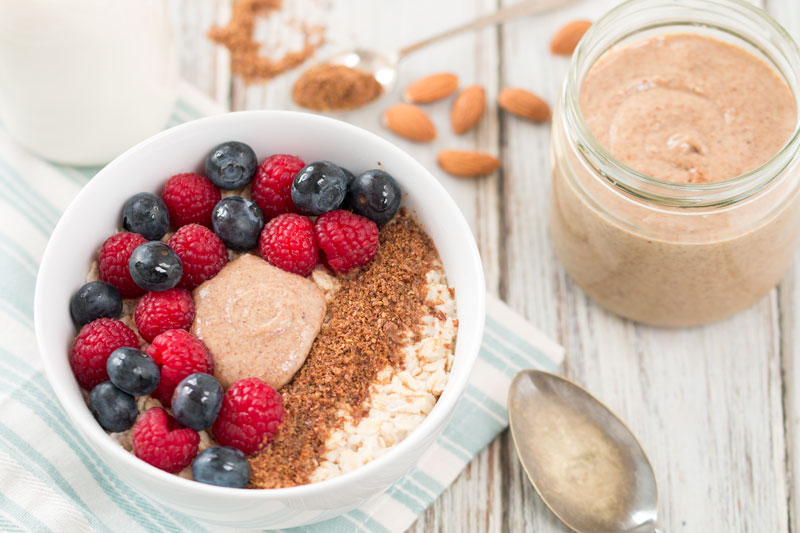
{"x":383,"y":66}
{"x":583,"y":461}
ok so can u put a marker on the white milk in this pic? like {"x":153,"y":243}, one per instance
{"x":83,"y":80}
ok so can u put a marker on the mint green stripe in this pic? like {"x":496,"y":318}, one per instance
{"x":21,"y":515}
{"x":189,"y":109}
{"x":367,"y":520}
{"x":340,"y":524}
{"x":16,"y":283}
{"x":16,"y":313}
{"x":444,"y":442}
{"x":523,"y":347}
{"x":397,"y":494}
{"x":487,"y":402}
{"x":34,"y":462}
{"x":33,"y":264}
{"x":7,"y":526}
{"x":25,"y":209}
{"x":15,"y":180}
{"x":39,"y":403}
{"x":487,"y":355}
{"x":478,"y":433}
{"x":419,"y":497}
{"x":427,"y":481}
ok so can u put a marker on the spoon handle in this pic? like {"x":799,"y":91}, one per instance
{"x":528,"y":7}
{"x":649,"y":527}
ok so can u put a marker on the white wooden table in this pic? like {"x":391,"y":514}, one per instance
{"x":717,"y":408}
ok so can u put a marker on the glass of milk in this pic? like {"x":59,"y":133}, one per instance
{"x":81,"y":81}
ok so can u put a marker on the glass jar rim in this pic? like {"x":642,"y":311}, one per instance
{"x":676,"y":194}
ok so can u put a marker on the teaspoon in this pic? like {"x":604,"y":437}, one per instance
{"x":583,"y":461}
{"x":384,"y":65}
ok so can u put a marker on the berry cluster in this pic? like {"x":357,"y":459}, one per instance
{"x":299,"y":215}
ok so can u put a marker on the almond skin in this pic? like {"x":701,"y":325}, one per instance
{"x":431,"y":88}
{"x":467,"y":163}
{"x":566,"y":39}
{"x":409,"y":121}
{"x":524,"y":104}
{"x":467,"y":108}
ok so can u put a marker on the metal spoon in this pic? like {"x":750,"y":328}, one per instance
{"x":583,"y":461}
{"x":383,"y":65}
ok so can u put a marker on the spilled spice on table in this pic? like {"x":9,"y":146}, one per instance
{"x":246,"y":59}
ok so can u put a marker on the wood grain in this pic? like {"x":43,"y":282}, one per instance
{"x":716,"y":408}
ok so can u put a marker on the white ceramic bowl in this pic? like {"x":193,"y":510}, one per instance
{"x":95,"y":214}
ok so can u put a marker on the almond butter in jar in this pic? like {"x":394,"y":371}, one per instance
{"x":676,"y":160}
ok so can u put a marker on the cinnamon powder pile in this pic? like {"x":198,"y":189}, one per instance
{"x":365,"y":334}
{"x":328,"y":87}
{"x":246,"y":60}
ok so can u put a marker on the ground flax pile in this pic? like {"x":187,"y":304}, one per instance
{"x":329,"y":87}
{"x":369,"y":315}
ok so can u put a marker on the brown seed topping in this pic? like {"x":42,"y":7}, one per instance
{"x":329,"y":87}
{"x":362,"y":337}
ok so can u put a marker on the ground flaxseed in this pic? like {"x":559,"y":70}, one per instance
{"x":369,"y":315}
{"x":328,"y":87}
{"x":246,"y":59}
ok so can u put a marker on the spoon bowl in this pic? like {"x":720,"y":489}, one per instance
{"x":582,"y":460}
{"x":382,"y":66}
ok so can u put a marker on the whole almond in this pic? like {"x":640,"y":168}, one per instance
{"x":467,"y":163}
{"x":409,"y":121}
{"x":566,"y":39}
{"x":431,"y":88}
{"x":524,"y":104}
{"x":467,"y":108}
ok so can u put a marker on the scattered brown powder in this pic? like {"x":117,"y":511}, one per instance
{"x":246,"y":60}
{"x":360,"y":340}
{"x":329,"y":87}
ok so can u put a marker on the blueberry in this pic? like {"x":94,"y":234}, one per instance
{"x":96,"y":299}
{"x":231,"y":165}
{"x":223,"y":466}
{"x":133,"y":371}
{"x":154,"y":266}
{"x":146,"y":214}
{"x":196,"y":401}
{"x":319,"y":187}
{"x":114,"y":409}
{"x":348,"y":176}
{"x":238,"y":222}
{"x":376,"y":195}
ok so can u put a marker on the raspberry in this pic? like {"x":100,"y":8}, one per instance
{"x":94,"y":343}
{"x":178,"y":353}
{"x":190,"y":198}
{"x":112,"y":262}
{"x":288,"y":242}
{"x":156,"y":312}
{"x":202,"y":254}
{"x":347,"y":240}
{"x":272,"y":186}
{"x":250,"y":414}
{"x":158,"y":440}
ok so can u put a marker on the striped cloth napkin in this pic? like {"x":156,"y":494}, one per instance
{"x":49,"y":478}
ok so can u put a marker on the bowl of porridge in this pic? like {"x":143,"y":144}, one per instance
{"x":261,"y":319}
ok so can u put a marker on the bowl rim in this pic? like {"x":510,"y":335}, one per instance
{"x":440,"y":414}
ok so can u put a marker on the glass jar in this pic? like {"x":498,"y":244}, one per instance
{"x":664,"y":253}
